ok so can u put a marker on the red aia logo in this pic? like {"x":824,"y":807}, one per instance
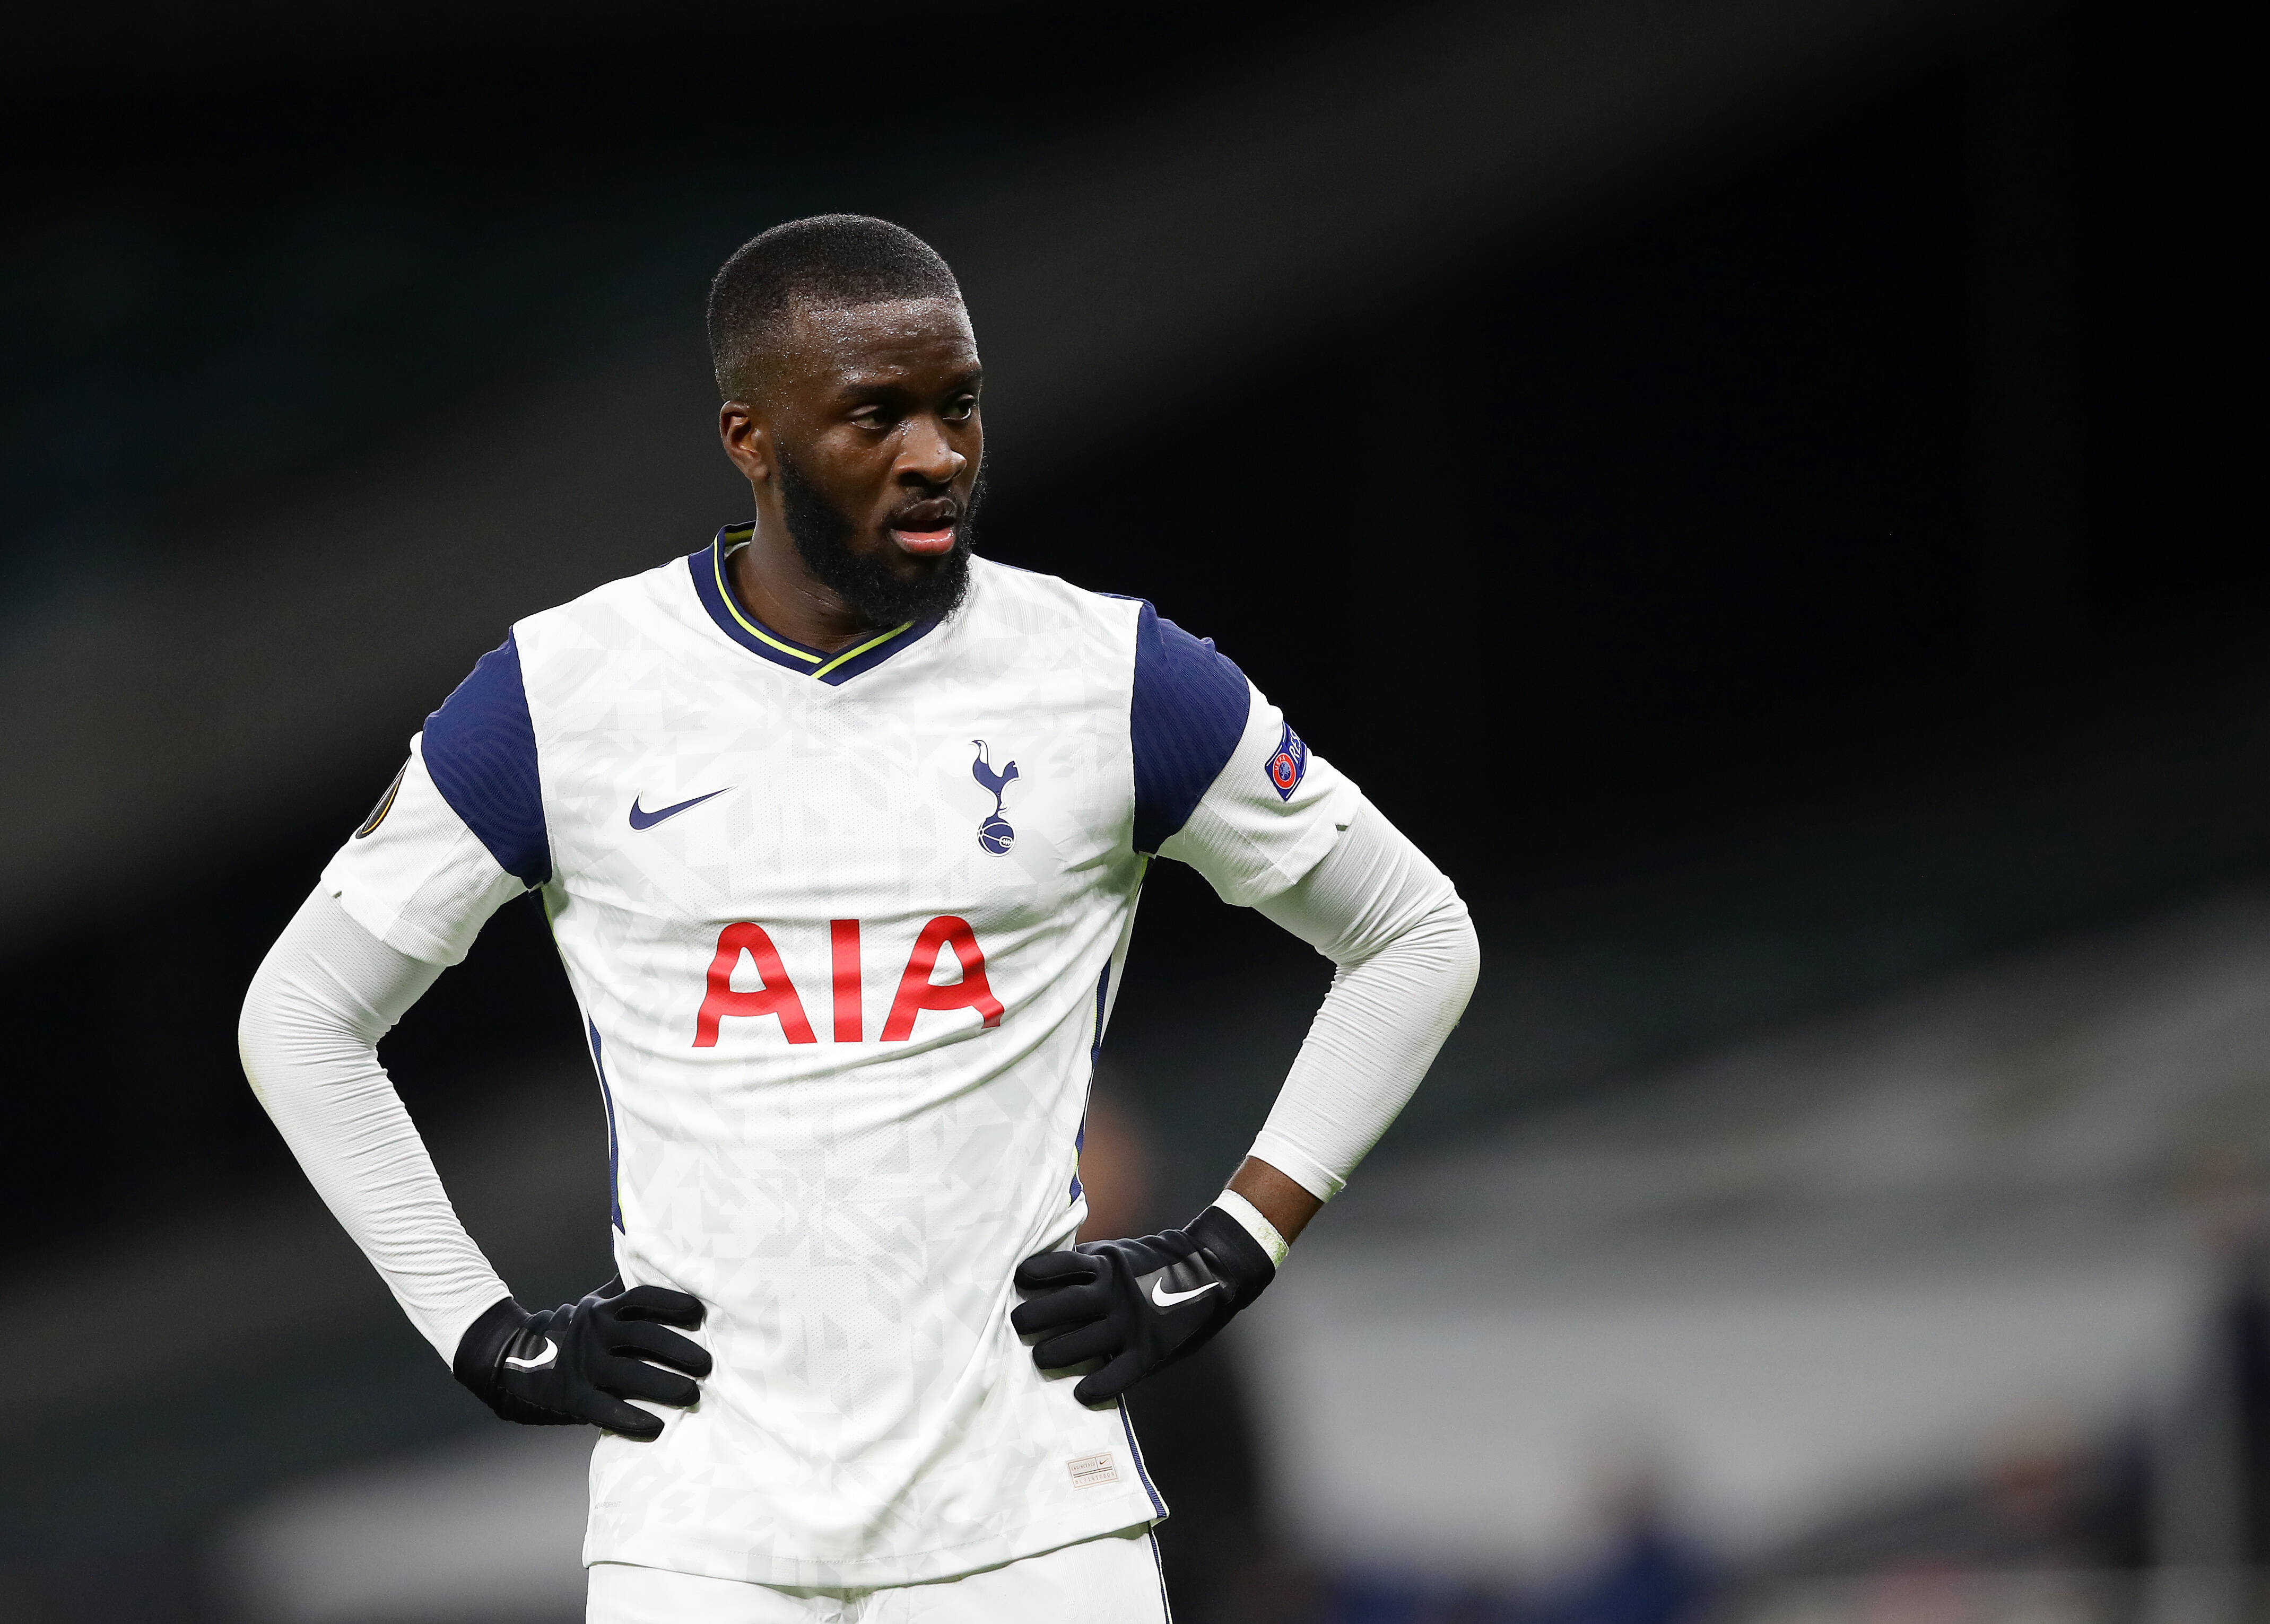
{"x":776,"y":994}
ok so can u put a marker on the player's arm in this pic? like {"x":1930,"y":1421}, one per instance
{"x":1277,"y":829}
{"x":401,"y":901}
{"x":1405,"y":959}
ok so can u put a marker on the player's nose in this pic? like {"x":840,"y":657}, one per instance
{"x":928,"y":455}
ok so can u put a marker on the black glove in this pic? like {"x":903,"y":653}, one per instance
{"x":1141,"y":1305}
{"x":564,"y":1366}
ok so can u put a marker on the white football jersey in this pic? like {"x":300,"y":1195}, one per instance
{"x":845,"y":930}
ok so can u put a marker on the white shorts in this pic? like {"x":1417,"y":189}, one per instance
{"x":1112,"y":1580}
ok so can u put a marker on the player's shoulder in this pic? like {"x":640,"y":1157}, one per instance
{"x":1165,"y":660}
{"x":1125,"y":614}
{"x":1009,"y":591}
{"x":549,"y":655}
{"x":650,"y":601}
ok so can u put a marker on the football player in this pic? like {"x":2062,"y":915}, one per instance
{"x":839,"y":829}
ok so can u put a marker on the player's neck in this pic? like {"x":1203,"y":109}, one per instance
{"x":774,"y":584}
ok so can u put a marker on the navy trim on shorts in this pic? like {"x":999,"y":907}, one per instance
{"x":1142,"y":1471}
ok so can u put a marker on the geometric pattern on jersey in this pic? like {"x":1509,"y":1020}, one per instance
{"x":844,"y":951}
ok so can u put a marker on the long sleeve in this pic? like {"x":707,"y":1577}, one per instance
{"x":1407,"y":959}
{"x":327,"y":992}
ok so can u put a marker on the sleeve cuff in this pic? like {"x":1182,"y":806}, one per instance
{"x":1297,"y":1165}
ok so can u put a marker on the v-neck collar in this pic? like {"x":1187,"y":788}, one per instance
{"x":716,"y":595}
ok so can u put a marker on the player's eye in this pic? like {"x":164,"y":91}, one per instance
{"x":960,"y":410}
{"x":872,"y":417}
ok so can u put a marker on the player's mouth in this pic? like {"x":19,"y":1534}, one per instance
{"x":926,"y":529}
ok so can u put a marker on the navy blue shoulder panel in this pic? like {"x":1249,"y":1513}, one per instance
{"x":481,"y":748}
{"x":1187,"y":715}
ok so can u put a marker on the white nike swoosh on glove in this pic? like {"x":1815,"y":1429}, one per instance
{"x":1167,"y":1299}
{"x":542,"y":1361}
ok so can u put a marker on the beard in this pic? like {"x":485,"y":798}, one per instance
{"x":822,"y":534}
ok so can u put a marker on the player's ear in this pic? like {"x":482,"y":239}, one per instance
{"x":747,"y":434}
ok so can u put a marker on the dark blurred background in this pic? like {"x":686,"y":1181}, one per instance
{"x":1762,"y":490}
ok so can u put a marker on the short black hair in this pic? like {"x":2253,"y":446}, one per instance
{"x":828,"y":259}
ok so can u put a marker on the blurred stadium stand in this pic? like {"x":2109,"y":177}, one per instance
{"x":1818,"y":623}
{"x":1859,"y":1260}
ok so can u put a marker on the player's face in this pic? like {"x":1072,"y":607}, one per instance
{"x":876,"y":413}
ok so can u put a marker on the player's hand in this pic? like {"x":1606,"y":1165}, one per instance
{"x":578,"y":1362}
{"x":1139,"y":1305}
